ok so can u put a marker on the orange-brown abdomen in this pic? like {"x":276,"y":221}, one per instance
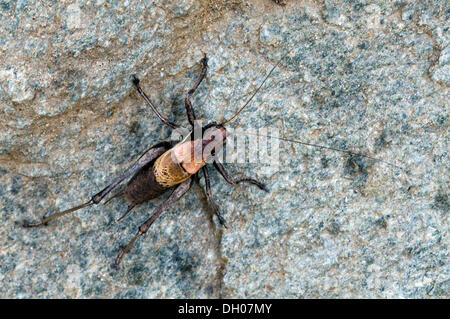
{"x":167,"y":171}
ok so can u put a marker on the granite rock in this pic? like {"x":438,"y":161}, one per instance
{"x":370,"y":76}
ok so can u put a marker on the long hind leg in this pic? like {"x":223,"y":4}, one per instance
{"x":187,"y":100}
{"x":146,"y":158}
{"x":176,"y":194}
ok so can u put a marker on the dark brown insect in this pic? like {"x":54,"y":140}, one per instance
{"x":165,"y":166}
{"x":172,"y":166}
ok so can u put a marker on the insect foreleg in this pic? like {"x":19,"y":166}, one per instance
{"x":149,"y":103}
{"x":232,"y":181}
{"x":210,"y":198}
{"x":176,"y":194}
{"x":146,"y":158}
{"x":187,"y":100}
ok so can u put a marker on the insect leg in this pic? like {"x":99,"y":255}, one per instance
{"x":159,"y":115}
{"x":176,"y":194}
{"x":146,"y":158}
{"x":232,"y":181}
{"x":210,"y":198}
{"x":187,"y":100}
{"x":45,"y":220}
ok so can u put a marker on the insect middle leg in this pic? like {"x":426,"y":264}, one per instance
{"x":232,"y":181}
{"x":187,"y":100}
{"x":215,"y":207}
{"x":176,"y":194}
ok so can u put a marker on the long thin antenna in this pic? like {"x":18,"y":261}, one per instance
{"x":326,"y":147}
{"x":256,"y":91}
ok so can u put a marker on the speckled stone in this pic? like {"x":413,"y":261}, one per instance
{"x":370,"y":76}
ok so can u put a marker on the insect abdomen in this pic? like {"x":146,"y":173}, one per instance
{"x":143,"y":187}
{"x":167,"y":172}
{"x":155,"y":179}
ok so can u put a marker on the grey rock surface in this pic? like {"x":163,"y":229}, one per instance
{"x":370,"y":76}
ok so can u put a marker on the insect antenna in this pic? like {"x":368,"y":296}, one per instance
{"x":296,"y":141}
{"x":256,"y":91}
{"x":327,"y":148}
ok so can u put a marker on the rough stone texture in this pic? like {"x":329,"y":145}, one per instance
{"x":372,"y":76}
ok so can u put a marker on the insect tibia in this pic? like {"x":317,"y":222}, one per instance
{"x":45,"y":220}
